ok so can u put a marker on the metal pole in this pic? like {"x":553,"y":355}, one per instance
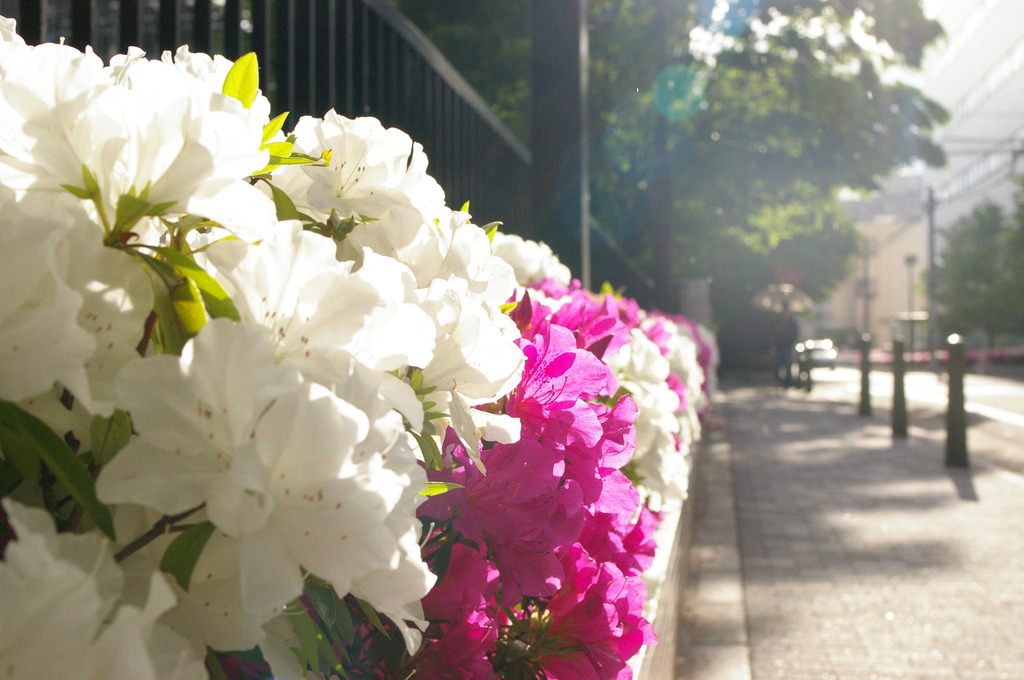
{"x":956,"y":415}
{"x":932,"y":328}
{"x":867,"y":287}
{"x":911,"y":260}
{"x":899,"y":394}
{"x":865,"y":375}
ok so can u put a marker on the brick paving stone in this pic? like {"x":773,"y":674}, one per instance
{"x":863,"y":558}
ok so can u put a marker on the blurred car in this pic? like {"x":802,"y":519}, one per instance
{"x":823,"y":352}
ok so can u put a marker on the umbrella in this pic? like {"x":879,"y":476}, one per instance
{"x":774,"y":296}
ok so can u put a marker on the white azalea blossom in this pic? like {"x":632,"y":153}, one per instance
{"x":269,"y":456}
{"x":476,"y":353}
{"x":151,"y":134}
{"x":64,"y":590}
{"x":40,"y":341}
{"x":309,"y":303}
{"x":372,"y":168}
{"x":533,"y":261}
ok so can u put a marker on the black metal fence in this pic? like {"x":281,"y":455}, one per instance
{"x":360,"y":57}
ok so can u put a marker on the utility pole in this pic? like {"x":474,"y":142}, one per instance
{"x":867,"y":286}
{"x":932,"y":328}
{"x":666,"y":293}
{"x":558,"y":137}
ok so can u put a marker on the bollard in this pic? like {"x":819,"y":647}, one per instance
{"x":865,"y":375}
{"x":899,"y":393}
{"x":956,"y":415}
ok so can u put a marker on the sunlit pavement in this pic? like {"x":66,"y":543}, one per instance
{"x":844,"y":553}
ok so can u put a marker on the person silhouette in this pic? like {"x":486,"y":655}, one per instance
{"x":783,"y":342}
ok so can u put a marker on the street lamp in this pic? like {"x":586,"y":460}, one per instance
{"x":911,"y":261}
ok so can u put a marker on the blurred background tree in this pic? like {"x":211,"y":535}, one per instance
{"x":771,"y":106}
{"x":979,"y":281}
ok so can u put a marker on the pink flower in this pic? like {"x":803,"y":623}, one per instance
{"x":463,"y":629}
{"x":557,"y":380}
{"x":522,"y":510}
{"x":595,"y":322}
{"x":600,"y":609}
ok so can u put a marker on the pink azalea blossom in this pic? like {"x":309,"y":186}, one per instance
{"x":600,"y":609}
{"x":462,"y":611}
{"x":522,"y":509}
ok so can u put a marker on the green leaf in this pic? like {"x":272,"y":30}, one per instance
{"x":372,"y":617}
{"x":78,"y":192}
{"x":491,"y":229}
{"x":10,"y":478}
{"x":431,"y":454}
{"x":90,"y":188}
{"x":279,"y":149}
{"x":187,"y":302}
{"x":17,"y":448}
{"x":438,"y":488}
{"x":180,"y":558}
{"x":218,"y":302}
{"x":271,"y":129}
{"x":109,"y":435}
{"x":243,"y":80}
{"x":213,"y":665}
{"x":324,"y":601}
{"x":132,"y":208}
{"x":309,"y":641}
{"x":286,"y":209}
{"x":34,"y":438}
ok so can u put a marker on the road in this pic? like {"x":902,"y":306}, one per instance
{"x":995,"y":409}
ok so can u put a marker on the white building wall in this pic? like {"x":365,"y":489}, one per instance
{"x":977,"y":73}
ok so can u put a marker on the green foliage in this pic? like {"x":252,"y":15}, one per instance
{"x":180,"y":558}
{"x":757,"y":141}
{"x":109,"y":435}
{"x":29,"y":444}
{"x":243,"y":80}
{"x":978,"y":280}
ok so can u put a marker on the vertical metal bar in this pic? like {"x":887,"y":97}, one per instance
{"x":343,"y":59}
{"x":281,"y":35}
{"x":233,"y":28}
{"x":557,"y":130}
{"x":899,"y":392}
{"x":83,"y":15}
{"x":956,"y":414}
{"x":128,"y":26}
{"x":30,"y":21}
{"x":261,"y":45}
{"x":324,"y":95}
{"x":301,"y":55}
{"x":169,"y":27}
{"x":864,"y":409}
{"x":202,"y":26}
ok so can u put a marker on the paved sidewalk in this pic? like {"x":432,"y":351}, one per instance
{"x":858,"y":557}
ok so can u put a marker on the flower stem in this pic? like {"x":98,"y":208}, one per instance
{"x":164,"y":525}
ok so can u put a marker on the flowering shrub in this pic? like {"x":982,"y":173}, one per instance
{"x":270,"y":408}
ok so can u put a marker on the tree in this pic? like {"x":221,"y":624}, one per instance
{"x":770,"y":108}
{"x":978,"y":281}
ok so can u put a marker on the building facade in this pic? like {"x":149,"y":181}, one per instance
{"x":977,"y":73}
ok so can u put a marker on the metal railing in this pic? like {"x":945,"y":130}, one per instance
{"x":360,"y":57}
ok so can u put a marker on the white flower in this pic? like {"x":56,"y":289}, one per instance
{"x":532,"y":261}
{"x":476,"y":353}
{"x":152,"y":133}
{"x":310,"y":304}
{"x":9,"y":32}
{"x":61,"y":616}
{"x":40,"y":343}
{"x":371,"y":169}
{"x":271,"y":458}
